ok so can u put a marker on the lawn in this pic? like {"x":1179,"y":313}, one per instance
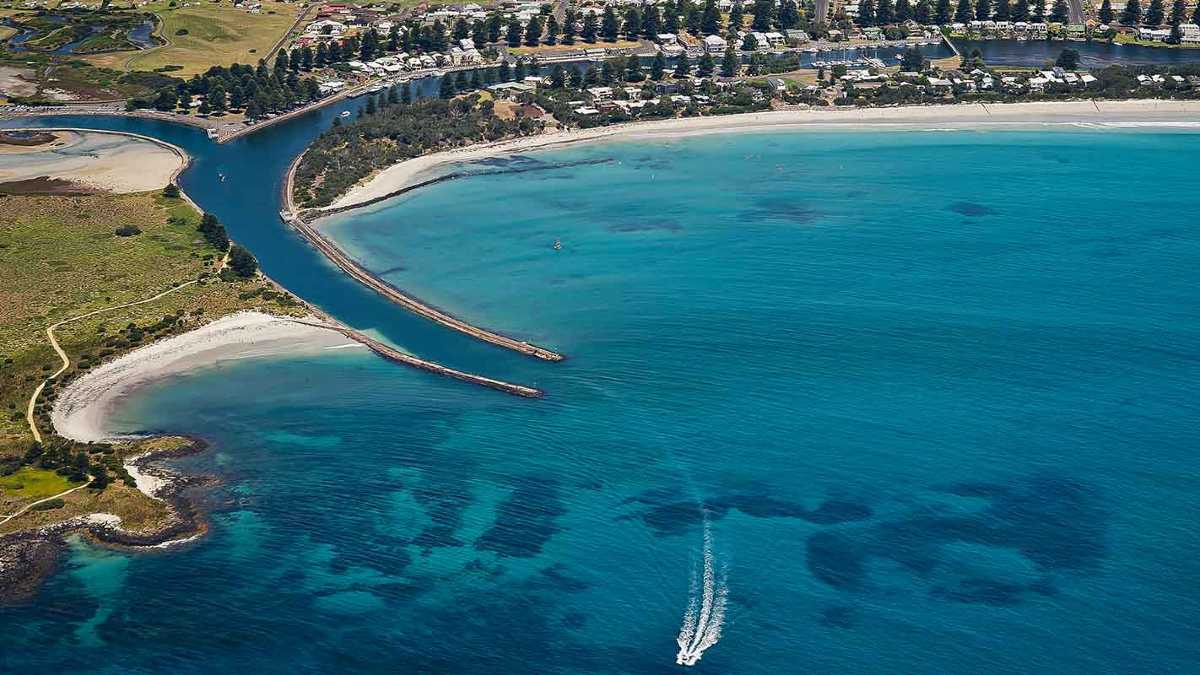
{"x":31,"y":483}
{"x":205,"y":34}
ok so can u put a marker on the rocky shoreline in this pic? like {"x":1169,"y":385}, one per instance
{"x":27,"y":558}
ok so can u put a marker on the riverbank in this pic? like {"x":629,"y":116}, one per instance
{"x":80,"y":409}
{"x":406,"y":175}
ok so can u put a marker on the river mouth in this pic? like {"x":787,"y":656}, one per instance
{"x":904,"y":389}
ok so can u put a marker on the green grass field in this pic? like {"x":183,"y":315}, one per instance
{"x":31,"y":483}
{"x":207,"y":34}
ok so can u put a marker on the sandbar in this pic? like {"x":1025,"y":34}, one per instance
{"x":93,"y":161}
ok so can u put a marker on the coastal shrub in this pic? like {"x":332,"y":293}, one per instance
{"x":171,"y":191}
{"x":242,"y":262}
{"x":346,"y":154}
{"x":128,"y":231}
{"x":100,"y":478}
{"x":214,"y":232}
{"x":50,"y":505}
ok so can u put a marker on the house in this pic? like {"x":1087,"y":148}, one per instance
{"x":326,"y":27}
{"x":667,"y":39}
{"x":773,"y":39}
{"x":510,"y":89}
{"x":777,"y":85}
{"x":601,"y":93}
{"x":937,"y":84}
{"x":330,"y":87}
{"x":715,"y":44}
{"x":795,"y":36}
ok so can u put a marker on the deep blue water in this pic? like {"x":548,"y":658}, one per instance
{"x":933,"y":393}
{"x":1091,"y":54}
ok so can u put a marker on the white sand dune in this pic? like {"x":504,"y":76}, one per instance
{"x":970,"y":116}
{"x":80,"y":410}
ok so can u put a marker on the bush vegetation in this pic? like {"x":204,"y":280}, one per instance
{"x":345,"y":154}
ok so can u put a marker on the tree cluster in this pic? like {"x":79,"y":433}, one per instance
{"x":347,"y":153}
{"x":257,"y":90}
{"x":214,"y":232}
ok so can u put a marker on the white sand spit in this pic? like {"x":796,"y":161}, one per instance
{"x":80,"y":410}
{"x":103,"y":161}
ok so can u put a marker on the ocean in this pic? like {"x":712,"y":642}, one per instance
{"x":855,"y":402}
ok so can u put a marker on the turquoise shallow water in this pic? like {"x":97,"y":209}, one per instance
{"x":934,"y":394}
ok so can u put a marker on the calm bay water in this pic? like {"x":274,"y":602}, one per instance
{"x":933,"y":394}
{"x":1091,"y":54}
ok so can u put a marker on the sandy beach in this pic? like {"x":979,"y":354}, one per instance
{"x":103,"y":162}
{"x":1117,"y":114}
{"x":80,"y":410}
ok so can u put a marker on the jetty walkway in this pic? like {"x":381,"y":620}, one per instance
{"x":337,"y":256}
{"x":395,"y":355}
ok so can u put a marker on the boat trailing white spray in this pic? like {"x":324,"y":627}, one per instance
{"x":705,"y":613}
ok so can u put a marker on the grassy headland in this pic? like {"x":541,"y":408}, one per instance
{"x":65,"y":255}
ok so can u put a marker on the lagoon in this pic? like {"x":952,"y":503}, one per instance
{"x":931,"y":393}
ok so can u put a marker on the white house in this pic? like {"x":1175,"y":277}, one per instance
{"x":715,"y":44}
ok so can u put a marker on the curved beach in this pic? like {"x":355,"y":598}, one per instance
{"x":79,"y":412}
{"x":411,"y":173}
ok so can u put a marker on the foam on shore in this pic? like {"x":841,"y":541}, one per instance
{"x":80,"y":410}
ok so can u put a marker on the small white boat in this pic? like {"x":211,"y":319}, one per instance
{"x":557,"y":245}
{"x":345,"y":113}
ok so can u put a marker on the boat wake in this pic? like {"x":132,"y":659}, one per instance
{"x":705,"y":613}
